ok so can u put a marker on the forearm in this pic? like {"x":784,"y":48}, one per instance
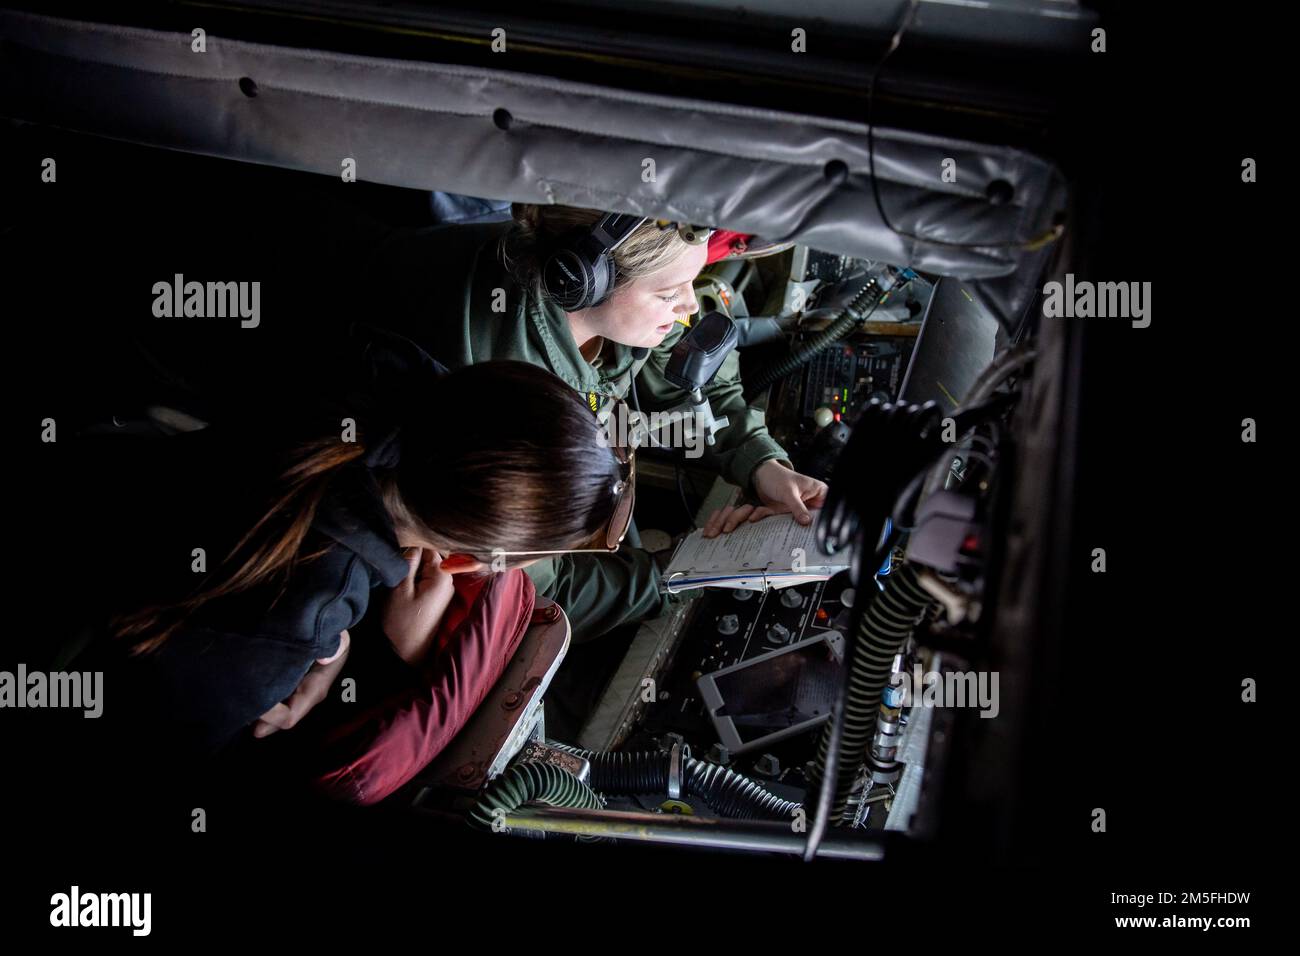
{"x":414,"y":609}
{"x":413,"y":646}
{"x":743,"y":445}
{"x":380,"y":749}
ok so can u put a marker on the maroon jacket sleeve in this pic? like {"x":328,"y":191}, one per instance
{"x":374,"y":754}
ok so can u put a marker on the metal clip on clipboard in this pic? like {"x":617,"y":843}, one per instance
{"x":668,"y":581}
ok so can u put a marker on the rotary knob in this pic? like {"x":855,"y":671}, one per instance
{"x":728,"y":624}
{"x":778,"y":634}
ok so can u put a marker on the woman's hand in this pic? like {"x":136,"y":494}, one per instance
{"x":315,"y":685}
{"x":415,"y":607}
{"x":781,"y":489}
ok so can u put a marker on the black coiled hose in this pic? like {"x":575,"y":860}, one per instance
{"x":634,"y":772}
{"x":727,"y":793}
{"x":883,"y":628}
{"x":854,"y":314}
{"x":532,"y":782}
{"x":734,"y":795}
{"x":880,"y":473}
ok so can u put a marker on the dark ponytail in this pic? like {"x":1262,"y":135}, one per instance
{"x":266,"y":552}
{"x":496,"y":455}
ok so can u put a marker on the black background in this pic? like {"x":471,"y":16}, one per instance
{"x":1145,"y":715}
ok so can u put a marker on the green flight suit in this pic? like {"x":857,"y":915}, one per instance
{"x":447,"y":289}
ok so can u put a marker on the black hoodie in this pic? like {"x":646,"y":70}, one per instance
{"x":149,"y":503}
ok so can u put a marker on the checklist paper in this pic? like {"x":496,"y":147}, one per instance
{"x":775,"y":552}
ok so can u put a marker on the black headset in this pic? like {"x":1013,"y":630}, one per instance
{"x":579,"y":271}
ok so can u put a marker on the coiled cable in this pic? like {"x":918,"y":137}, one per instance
{"x":854,"y":314}
{"x":883,"y":629}
{"x":532,"y":782}
{"x":726,"y":792}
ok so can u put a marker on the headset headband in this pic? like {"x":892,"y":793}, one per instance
{"x":579,"y":272}
{"x":613,"y":229}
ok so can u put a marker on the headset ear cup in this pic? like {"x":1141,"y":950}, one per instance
{"x":580,"y":271}
{"x":604,"y":275}
{"x":567,"y":279}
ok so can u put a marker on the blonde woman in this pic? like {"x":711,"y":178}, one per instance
{"x":497,"y":291}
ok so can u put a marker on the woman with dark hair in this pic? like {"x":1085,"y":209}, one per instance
{"x":386,"y":494}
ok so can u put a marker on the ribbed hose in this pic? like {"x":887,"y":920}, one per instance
{"x":533,"y":783}
{"x":727,"y":793}
{"x":882,"y":630}
{"x":733,"y":795}
{"x":853,"y":315}
{"x":633,"y":772}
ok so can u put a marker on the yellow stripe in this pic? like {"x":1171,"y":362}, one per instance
{"x":954,"y":401}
